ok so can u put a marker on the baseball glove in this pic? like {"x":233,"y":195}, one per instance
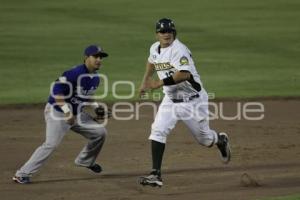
{"x":102,"y":113}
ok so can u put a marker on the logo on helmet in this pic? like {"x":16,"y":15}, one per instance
{"x":165,"y":25}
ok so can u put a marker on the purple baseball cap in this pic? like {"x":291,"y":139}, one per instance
{"x":94,"y":50}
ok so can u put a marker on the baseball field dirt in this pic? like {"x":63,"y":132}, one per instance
{"x":265,"y":158}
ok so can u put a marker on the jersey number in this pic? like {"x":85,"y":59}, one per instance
{"x":170,"y":73}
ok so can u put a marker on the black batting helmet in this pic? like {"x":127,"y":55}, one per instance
{"x":165,"y":25}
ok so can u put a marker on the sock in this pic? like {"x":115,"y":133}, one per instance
{"x":157,"y":156}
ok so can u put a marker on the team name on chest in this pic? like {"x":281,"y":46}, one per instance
{"x":86,"y":92}
{"x":163,"y":66}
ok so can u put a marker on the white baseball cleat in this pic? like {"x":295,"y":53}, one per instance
{"x":152,"y":180}
{"x":21,"y":180}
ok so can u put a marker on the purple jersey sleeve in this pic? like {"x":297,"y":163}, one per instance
{"x":63,"y":85}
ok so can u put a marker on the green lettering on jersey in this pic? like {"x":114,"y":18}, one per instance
{"x":163,"y":66}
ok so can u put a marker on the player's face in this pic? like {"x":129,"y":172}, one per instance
{"x":165,"y":38}
{"x":93,"y":62}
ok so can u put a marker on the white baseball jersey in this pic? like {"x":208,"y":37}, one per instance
{"x":176,"y":57}
{"x":193,"y":113}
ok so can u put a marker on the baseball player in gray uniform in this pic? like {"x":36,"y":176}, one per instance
{"x":64,"y":111}
{"x":185,"y":98}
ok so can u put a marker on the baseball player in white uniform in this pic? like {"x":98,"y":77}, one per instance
{"x":185,"y":98}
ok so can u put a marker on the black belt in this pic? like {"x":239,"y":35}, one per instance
{"x":185,"y":99}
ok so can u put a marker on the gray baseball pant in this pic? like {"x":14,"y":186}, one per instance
{"x":56,"y":128}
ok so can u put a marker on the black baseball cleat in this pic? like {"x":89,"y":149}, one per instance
{"x":224,"y":147}
{"x":151,"y":180}
{"x":95,"y":168}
